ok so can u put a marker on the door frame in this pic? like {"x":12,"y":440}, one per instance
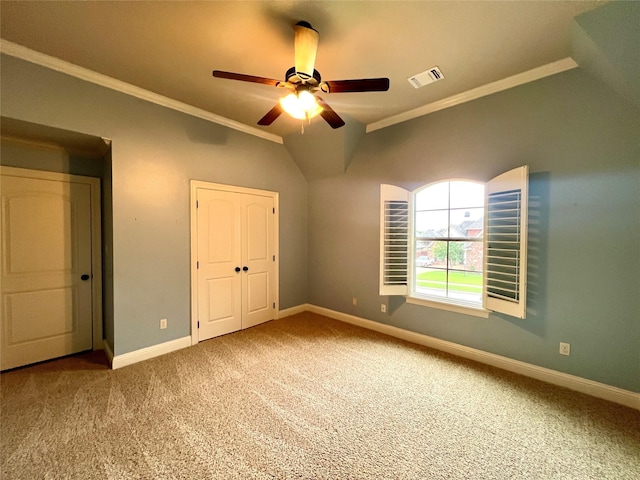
{"x":96,"y":237}
{"x":199,"y":184}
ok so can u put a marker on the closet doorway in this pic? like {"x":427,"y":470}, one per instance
{"x":234,"y":243}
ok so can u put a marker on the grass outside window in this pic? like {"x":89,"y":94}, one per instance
{"x":458,"y":280}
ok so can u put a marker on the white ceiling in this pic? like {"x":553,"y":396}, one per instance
{"x":170,"y":48}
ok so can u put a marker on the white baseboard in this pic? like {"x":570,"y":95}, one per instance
{"x":572,"y":382}
{"x":136,"y":356}
{"x":293,"y":310}
{"x":119,"y":361}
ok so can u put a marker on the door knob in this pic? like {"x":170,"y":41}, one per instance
{"x":237,"y":269}
{"x":245,"y":269}
{"x":84,"y":277}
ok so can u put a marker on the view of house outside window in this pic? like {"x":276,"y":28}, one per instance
{"x":448,"y":233}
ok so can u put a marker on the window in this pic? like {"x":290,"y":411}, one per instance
{"x":448,"y":226}
{"x":458,"y":245}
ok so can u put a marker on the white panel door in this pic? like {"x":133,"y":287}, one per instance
{"x":46,"y":269}
{"x":257,"y":252}
{"x":219,"y":259}
{"x":235,"y":261}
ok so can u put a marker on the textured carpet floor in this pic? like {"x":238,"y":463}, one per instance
{"x":305,"y":397}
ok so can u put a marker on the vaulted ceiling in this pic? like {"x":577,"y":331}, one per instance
{"x":170,"y":48}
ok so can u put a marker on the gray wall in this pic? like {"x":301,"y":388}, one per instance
{"x":580,"y":140}
{"x":24,"y":155}
{"x":107,"y":253}
{"x":155,"y":152}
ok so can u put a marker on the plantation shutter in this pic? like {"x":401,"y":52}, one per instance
{"x":506,"y":243}
{"x":394,"y":240}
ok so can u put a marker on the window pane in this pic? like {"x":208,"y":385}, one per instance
{"x":423,"y":248}
{"x":466,"y":194}
{"x":467,"y":223}
{"x":431,"y":281}
{"x":434,"y":197}
{"x":473,"y":257}
{"x":432,"y":224}
{"x":424,"y":253}
{"x":465,"y":285}
{"x":439,"y":254}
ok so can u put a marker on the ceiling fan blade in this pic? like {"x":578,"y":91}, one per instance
{"x":271,"y":115}
{"x":306,"y":47}
{"x":360,"y":85}
{"x":331,"y":117}
{"x":246,"y":78}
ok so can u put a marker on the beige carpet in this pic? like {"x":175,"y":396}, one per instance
{"x":305,"y":397}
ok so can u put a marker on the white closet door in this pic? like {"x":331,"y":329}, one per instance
{"x":236,"y":261}
{"x":257,"y":258}
{"x":46,"y":269}
{"x":219,"y":284}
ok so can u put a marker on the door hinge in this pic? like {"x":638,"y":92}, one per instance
{"x":274,"y":210}
{"x":274,"y":304}
{"x":197,"y":265}
{"x":274,"y":258}
{"x":197,"y":204}
{"x":198,"y":323}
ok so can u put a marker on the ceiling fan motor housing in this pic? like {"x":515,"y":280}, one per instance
{"x":292,"y":77}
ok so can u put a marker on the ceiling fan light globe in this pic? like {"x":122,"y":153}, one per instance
{"x":307,"y":101}
{"x":315,"y":112}
{"x":301,"y":107}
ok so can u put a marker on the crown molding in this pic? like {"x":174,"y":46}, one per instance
{"x":475,"y":93}
{"x":52,"y":63}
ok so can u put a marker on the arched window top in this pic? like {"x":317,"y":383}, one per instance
{"x":449,"y":194}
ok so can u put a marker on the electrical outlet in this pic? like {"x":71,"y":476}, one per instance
{"x":565,"y":348}
{"x":383,"y":308}
{"x":163,"y":324}
{"x":354,"y":300}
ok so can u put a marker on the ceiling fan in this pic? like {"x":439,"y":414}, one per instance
{"x":304,"y":81}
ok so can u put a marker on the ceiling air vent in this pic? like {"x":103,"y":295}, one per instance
{"x":425,"y":78}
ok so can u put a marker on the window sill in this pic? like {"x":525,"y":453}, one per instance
{"x":451,"y":307}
